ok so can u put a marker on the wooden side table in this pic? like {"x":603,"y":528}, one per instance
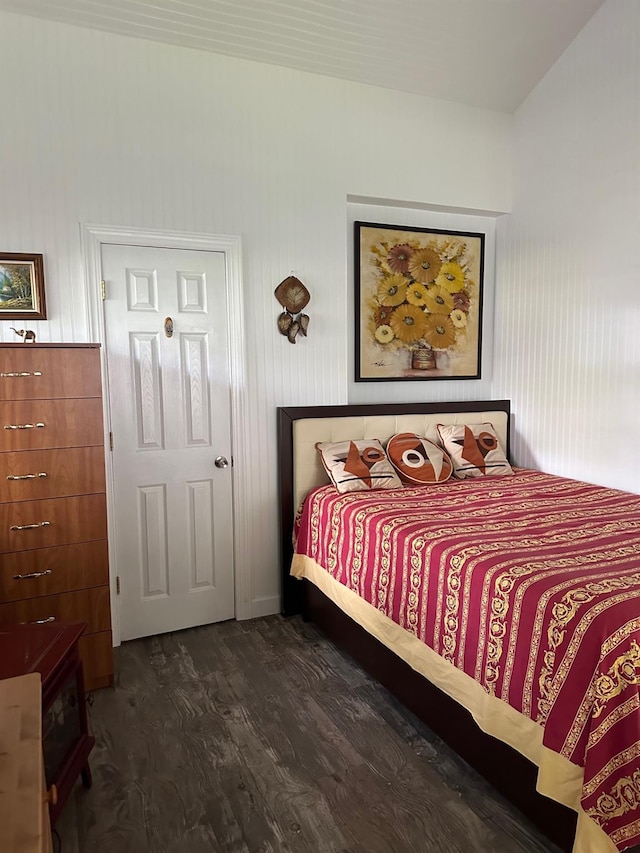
{"x":52,"y":650}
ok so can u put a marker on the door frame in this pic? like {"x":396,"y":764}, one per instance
{"x":92,"y":238}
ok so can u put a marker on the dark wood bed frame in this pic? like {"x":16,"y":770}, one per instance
{"x":505,"y":768}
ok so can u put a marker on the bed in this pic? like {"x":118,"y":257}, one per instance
{"x":522,"y":746}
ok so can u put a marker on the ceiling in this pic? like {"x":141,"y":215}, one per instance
{"x":486,"y":53}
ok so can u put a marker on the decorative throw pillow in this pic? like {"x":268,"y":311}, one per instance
{"x":417,"y":460}
{"x":474,"y":450}
{"x":357,"y":466}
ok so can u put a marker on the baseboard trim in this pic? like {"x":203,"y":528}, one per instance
{"x":266,"y":606}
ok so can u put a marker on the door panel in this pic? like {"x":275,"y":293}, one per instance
{"x":195,"y":379}
{"x":169,"y":392}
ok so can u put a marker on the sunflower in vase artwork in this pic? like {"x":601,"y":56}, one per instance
{"x":421,"y":298}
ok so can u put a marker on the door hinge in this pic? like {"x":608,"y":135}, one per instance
{"x":110,"y":441}
{"x":103,"y":290}
{"x":117,"y":585}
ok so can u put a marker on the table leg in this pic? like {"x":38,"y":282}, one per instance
{"x":85,"y":775}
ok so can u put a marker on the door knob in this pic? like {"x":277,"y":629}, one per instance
{"x":221,"y":462}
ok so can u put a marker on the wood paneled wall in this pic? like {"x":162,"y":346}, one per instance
{"x":105,"y":129}
{"x":567,"y":340}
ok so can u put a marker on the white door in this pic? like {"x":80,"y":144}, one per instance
{"x":169,"y":396}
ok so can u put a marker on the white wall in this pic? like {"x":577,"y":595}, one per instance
{"x":114,"y":131}
{"x":567,"y":338}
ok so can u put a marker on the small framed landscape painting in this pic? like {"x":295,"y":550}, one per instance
{"x":21,"y":287}
{"x":418,"y":295}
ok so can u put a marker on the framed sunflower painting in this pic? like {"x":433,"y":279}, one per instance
{"x":418,"y":303}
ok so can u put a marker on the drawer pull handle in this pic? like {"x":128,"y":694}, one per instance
{"x":24,"y":426}
{"x":33,"y":575}
{"x":42,"y":621}
{"x":27,"y":476}
{"x":30,"y":526}
{"x":7,"y":375}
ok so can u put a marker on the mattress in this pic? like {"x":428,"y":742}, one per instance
{"x":521,"y":595}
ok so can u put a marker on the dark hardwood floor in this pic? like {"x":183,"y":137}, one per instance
{"x":261,"y":737}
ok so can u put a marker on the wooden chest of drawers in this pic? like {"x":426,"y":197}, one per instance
{"x":53,"y":527}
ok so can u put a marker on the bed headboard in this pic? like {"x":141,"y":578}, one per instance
{"x":300,"y":469}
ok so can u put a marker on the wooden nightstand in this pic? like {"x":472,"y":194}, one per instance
{"x":52,"y":650}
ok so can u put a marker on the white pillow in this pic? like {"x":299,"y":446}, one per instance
{"x":357,"y":466}
{"x":474,"y":450}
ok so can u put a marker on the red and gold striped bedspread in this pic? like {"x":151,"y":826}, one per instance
{"x":531,"y":585}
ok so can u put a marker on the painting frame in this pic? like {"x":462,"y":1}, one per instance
{"x":418,"y":303}
{"x":22,"y":295}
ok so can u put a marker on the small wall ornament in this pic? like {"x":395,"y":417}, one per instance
{"x":294,"y":298}
{"x":28,"y":337}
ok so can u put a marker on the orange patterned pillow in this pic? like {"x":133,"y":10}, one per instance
{"x":417,"y":460}
{"x":356,"y":466}
{"x":474,"y":450}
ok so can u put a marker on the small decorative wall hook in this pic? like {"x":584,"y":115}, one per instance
{"x":294,"y":297}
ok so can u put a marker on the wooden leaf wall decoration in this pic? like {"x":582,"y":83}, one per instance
{"x":292,"y":294}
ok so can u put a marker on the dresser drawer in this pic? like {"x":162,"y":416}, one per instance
{"x":34,"y":474}
{"x":86,"y":605}
{"x":58,"y":521}
{"x":35,"y":424}
{"x":30,"y":372}
{"x":61,"y":569}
